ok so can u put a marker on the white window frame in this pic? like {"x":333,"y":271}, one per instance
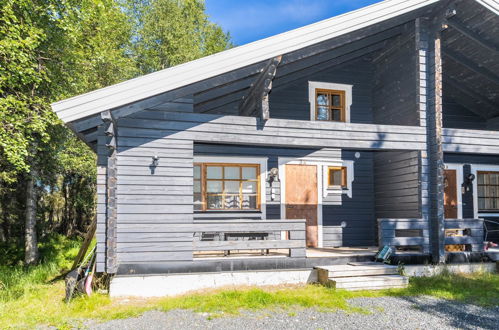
{"x":262,"y":161}
{"x":314,"y":85}
{"x":475,"y":169}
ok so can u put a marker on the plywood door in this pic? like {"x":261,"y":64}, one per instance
{"x":301,"y":198}
{"x":450,"y":194}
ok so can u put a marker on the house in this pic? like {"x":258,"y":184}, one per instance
{"x":376,"y":127}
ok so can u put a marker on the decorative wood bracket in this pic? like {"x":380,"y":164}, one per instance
{"x":110,"y":129}
{"x":257,"y":100}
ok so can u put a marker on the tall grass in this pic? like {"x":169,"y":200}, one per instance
{"x":57,"y":254}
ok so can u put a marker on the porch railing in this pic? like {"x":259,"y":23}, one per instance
{"x":460,"y":234}
{"x":404,"y":233}
{"x":465,"y":232}
{"x":211,"y":235}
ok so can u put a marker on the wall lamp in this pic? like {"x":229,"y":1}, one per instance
{"x":469,"y":181}
{"x":155,"y":160}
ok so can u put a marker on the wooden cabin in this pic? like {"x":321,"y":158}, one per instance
{"x":315,"y":146}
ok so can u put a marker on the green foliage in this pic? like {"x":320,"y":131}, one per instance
{"x":44,"y":306}
{"x":17,"y":281}
{"x":172,"y":32}
{"x":54,"y":49}
{"x":24,"y":112}
{"x":481,"y":288}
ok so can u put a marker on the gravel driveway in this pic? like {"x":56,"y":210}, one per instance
{"x":386,"y":313}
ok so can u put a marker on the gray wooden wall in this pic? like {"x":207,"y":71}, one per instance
{"x":467,"y":199}
{"x":457,"y":116}
{"x":394,"y":81}
{"x":150,"y":198}
{"x":292,"y":101}
{"x":397,"y":184}
{"x":357,"y":213}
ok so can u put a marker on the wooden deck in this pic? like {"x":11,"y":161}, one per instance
{"x":282,"y":253}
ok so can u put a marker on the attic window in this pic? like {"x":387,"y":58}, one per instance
{"x":329,"y":105}
{"x":330,"y":101}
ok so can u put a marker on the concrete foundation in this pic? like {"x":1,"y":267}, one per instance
{"x":176,"y":284}
{"x":431,"y":270}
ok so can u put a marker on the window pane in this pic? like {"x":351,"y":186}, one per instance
{"x":336,"y":115}
{"x":250,"y":202}
{"x":232,"y":201}
{"x":232,"y":187}
{"x":214,"y":202}
{"x":249,"y":187}
{"x":249,"y":173}
{"x":197,"y":186}
{"x":323,"y":113}
{"x":322,"y":99}
{"x":336,"y":100}
{"x":231,"y":172}
{"x":197,"y":172}
{"x":335,"y":177}
{"x":480,"y":178}
{"x":213,"y":172}
{"x":198,"y":202}
{"x":214,"y":186}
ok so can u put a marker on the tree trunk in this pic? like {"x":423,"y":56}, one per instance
{"x":30,"y":238}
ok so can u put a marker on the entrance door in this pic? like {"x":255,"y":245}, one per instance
{"x":301,"y":198}
{"x":450,"y":194}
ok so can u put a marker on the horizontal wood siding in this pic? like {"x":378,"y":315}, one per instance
{"x":151,"y":198}
{"x":291,"y":102}
{"x":470,"y":141}
{"x":356,"y":212}
{"x":276,"y":132}
{"x":455,"y":115}
{"x":395,"y":94}
{"x":397,"y":184}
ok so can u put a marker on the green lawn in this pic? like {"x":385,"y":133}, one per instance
{"x":27,"y":298}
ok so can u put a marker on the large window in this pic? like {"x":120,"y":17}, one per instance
{"x":488,"y":191}
{"x":226,"y":187}
{"x":330,"y":105}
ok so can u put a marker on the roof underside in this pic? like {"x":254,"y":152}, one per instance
{"x":471,"y":59}
{"x":131,"y":91}
{"x":220,"y":80}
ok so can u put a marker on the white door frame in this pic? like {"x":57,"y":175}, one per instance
{"x":459,"y":183}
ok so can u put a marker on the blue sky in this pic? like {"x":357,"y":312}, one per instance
{"x":250,"y":20}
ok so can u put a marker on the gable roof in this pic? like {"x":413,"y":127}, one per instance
{"x":159,"y":82}
{"x":184,"y":74}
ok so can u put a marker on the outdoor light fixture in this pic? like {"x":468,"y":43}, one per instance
{"x":273,"y":176}
{"x":469,"y":181}
{"x":155,"y":160}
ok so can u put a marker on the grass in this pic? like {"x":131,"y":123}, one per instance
{"x":28,"y":298}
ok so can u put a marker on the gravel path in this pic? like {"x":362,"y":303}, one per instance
{"x":386,"y":313}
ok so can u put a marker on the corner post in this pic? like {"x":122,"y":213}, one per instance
{"x":110,"y":130}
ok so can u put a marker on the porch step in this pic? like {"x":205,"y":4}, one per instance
{"x":361,"y":276}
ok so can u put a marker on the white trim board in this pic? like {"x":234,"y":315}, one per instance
{"x":262,"y":161}
{"x":474,"y":169}
{"x":459,"y":183}
{"x":314,"y":85}
{"x":321,"y":190}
